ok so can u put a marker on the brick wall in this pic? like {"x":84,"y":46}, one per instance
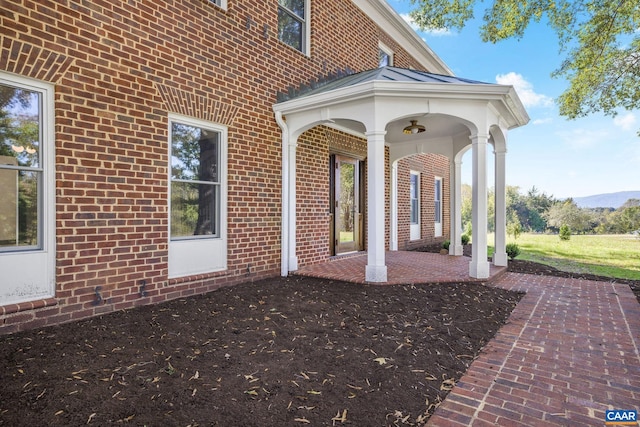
{"x":120,"y":68}
{"x":429,"y":166}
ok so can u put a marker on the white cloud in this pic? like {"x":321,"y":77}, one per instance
{"x":583,"y":138}
{"x":525,"y":90}
{"x":542,"y":121}
{"x":414,"y":26}
{"x":626,"y":122}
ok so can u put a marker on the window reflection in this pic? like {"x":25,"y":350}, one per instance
{"x":20,"y":167}
{"x":195,"y":181}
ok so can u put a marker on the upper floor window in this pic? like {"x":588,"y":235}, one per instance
{"x":221,"y":3}
{"x":292,"y":23}
{"x":385,"y":56}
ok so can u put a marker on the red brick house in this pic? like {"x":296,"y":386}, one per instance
{"x":151,"y":150}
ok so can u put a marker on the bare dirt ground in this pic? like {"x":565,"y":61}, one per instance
{"x":284,"y":351}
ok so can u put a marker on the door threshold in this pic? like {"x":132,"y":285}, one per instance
{"x":347,"y":254}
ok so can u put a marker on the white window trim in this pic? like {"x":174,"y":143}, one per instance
{"x":29,"y":274}
{"x":386,"y":49}
{"x":307,"y":27}
{"x":202,"y":255}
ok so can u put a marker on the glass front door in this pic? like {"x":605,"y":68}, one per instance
{"x":346,"y":205}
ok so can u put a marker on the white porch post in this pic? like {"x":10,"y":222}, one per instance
{"x":455,"y":248}
{"x":376,"y":270}
{"x":292,"y":216}
{"x":393,"y":244}
{"x":479,"y":266}
{"x":500,"y":253}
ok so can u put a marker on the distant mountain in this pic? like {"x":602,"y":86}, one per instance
{"x":609,"y":200}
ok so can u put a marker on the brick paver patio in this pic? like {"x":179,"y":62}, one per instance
{"x":402,"y":267}
{"x":568,"y":353}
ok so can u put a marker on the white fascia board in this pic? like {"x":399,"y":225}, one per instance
{"x":388,"y":19}
{"x":504,"y":97}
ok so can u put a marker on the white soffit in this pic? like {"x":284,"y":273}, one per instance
{"x":396,"y":27}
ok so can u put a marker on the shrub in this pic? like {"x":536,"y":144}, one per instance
{"x":514,"y":228}
{"x":513,"y":250}
{"x":445,"y":244}
{"x":465,"y":239}
{"x":565,"y":232}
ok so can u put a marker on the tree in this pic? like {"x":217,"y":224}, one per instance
{"x":600,"y":37}
{"x":568,"y":213}
{"x":514,"y":227}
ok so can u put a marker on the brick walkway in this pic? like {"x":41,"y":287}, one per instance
{"x":568,"y":352}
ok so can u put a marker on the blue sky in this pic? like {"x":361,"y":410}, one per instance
{"x":563,"y":158}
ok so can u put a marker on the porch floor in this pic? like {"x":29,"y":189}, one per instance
{"x":403,"y":267}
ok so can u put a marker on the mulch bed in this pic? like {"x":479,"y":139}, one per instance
{"x":284,"y":351}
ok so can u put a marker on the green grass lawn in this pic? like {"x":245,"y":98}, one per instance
{"x":615,"y":256}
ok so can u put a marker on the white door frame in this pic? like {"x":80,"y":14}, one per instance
{"x":437,"y":196}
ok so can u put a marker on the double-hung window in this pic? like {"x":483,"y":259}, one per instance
{"x":293,"y":25}
{"x":27,"y":181}
{"x":198,"y":197}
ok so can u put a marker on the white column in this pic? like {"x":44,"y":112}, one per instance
{"x":292,"y":217}
{"x":500,"y":253}
{"x":479,"y":266}
{"x":376,"y":270}
{"x":393,"y":244}
{"x":455,"y":190}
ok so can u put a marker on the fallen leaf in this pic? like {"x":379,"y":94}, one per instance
{"x":447,"y":384}
{"x":381,"y":360}
{"x":342,"y":418}
{"x":302,"y":420}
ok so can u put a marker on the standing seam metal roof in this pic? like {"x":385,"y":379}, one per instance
{"x":387,"y":73}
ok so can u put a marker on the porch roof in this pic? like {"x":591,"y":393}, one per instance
{"x":377,"y":97}
{"x":389,"y":74}
{"x":383,"y":74}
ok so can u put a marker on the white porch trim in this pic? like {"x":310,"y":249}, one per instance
{"x":457,"y":113}
{"x":376,"y":270}
{"x":479,"y":266}
{"x":455,"y":212}
{"x":393,"y":243}
{"x":500,"y":253}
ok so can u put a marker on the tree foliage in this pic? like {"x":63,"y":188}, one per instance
{"x":538,"y":212}
{"x":569,"y":214}
{"x":600,"y":38}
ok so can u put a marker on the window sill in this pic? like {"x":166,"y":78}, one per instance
{"x":197,"y":277}
{"x":25,"y":306}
